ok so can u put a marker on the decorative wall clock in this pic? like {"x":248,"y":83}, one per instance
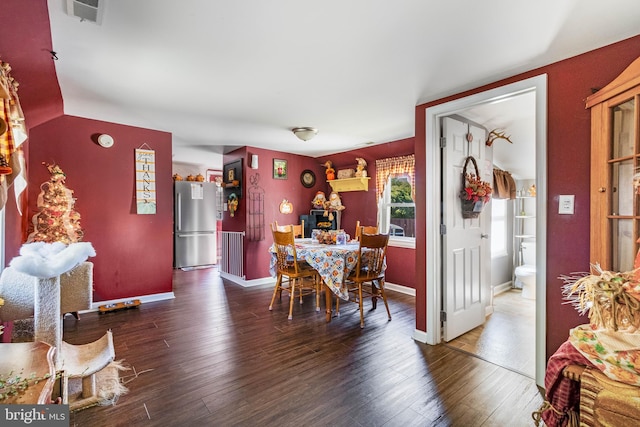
{"x":308,"y":178}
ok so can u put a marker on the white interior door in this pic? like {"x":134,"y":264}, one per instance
{"x":465,"y":243}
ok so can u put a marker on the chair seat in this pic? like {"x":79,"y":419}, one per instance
{"x":365,"y":276}
{"x":303,"y":270}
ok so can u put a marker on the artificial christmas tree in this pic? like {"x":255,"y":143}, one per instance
{"x":57,"y":221}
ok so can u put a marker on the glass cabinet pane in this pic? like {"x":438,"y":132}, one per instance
{"x":622,"y":200}
{"x":623,"y":244}
{"x":623,"y":137}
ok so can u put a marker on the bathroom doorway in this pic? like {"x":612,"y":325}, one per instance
{"x":507,"y":337}
{"x":536,"y":86}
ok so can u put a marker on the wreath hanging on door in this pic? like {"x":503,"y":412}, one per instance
{"x":475,"y":193}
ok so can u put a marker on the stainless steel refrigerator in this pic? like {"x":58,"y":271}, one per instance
{"x":194,"y":224}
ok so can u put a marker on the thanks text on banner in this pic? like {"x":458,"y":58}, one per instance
{"x":145,"y":181}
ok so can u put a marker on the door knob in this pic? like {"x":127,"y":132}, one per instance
{"x":484,"y":236}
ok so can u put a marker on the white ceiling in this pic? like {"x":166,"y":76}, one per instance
{"x":218,"y":74}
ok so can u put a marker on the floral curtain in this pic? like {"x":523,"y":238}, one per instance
{"x":395,"y":165}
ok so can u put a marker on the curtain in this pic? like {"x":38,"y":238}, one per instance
{"x":395,"y":165}
{"x":504,"y":186}
{"x":12,"y":139}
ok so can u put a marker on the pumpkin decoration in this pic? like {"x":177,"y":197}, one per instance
{"x":286,"y":207}
{"x":199,"y":178}
{"x":191,"y":178}
{"x":330,"y":172}
{"x":177,"y":177}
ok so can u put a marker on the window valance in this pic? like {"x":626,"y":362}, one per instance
{"x":395,"y":165}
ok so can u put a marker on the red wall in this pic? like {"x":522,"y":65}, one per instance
{"x":25,"y":42}
{"x":134,"y":253}
{"x":568,"y":162}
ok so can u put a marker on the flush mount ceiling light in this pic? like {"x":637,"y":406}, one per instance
{"x":305,"y":133}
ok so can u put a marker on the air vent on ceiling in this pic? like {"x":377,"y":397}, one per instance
{"x":86,"y":10}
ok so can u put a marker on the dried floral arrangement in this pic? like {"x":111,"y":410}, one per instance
{"x":612,"y":299}
{"x":476,"y":189}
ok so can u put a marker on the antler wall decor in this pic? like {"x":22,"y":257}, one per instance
{"x":496,"y":134}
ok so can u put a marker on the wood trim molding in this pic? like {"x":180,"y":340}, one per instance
{"x":629,"y":78}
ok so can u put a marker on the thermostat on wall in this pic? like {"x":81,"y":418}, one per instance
{"x":105,"y":140}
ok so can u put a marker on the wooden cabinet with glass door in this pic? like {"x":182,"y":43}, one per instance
{"x":615,"y":158}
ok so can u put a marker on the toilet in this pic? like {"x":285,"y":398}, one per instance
{"x":526,"y":273}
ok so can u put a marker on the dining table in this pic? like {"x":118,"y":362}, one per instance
{"x":332,"y":262}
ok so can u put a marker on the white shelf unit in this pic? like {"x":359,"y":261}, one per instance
{"x":524,"y":227}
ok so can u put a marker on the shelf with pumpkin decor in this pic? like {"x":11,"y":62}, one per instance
{"x":232,"y":187}
{"x":350,"y":184}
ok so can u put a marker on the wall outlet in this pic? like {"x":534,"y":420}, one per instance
{"x":566,"y":204}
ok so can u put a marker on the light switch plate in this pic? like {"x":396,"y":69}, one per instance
{"x":566,"y":204}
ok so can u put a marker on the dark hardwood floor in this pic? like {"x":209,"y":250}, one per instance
{"x":216,"y":356}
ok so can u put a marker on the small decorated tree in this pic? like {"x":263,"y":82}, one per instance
{"x":57,"y":221}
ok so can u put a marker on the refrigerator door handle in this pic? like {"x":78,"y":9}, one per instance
{"x":179,"y":211}
{"x":198,"y":234}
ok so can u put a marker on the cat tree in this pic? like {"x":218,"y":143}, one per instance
{"x":45,"y":264}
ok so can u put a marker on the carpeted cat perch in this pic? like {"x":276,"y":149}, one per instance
{"x":45,"y":263}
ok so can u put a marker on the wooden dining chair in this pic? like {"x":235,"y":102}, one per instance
{"x":368,"y":276}
{"x":298,"y":230}
{"x":291,"y":273}
{"x":368,"y":229}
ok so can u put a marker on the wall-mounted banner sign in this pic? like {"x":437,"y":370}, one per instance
{"x":145,"y":181}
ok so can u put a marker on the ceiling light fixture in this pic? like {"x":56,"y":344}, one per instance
{"x":305,"y":133}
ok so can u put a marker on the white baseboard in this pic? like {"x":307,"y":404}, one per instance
{"x":143,"y":299}
{"x":399,"y":288}
{"x":248,"y":283}
{"x":504,"y":287}
{"x":420,"y":336}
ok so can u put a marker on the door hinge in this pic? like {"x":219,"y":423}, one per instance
{"x":443,"y":141}
{"x":443,"y":229}
{"x":443,"y":316}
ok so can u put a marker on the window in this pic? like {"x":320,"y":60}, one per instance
{"x":498,"y":227}
{"x":396,"y":206}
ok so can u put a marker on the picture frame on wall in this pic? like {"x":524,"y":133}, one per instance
{"x":214,"y":175}
{"x":280,"y":169}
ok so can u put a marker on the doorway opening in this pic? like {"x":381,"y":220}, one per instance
{"x":434,"y":262}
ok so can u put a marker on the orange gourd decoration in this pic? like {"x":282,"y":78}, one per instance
{"x":329,"y":171}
